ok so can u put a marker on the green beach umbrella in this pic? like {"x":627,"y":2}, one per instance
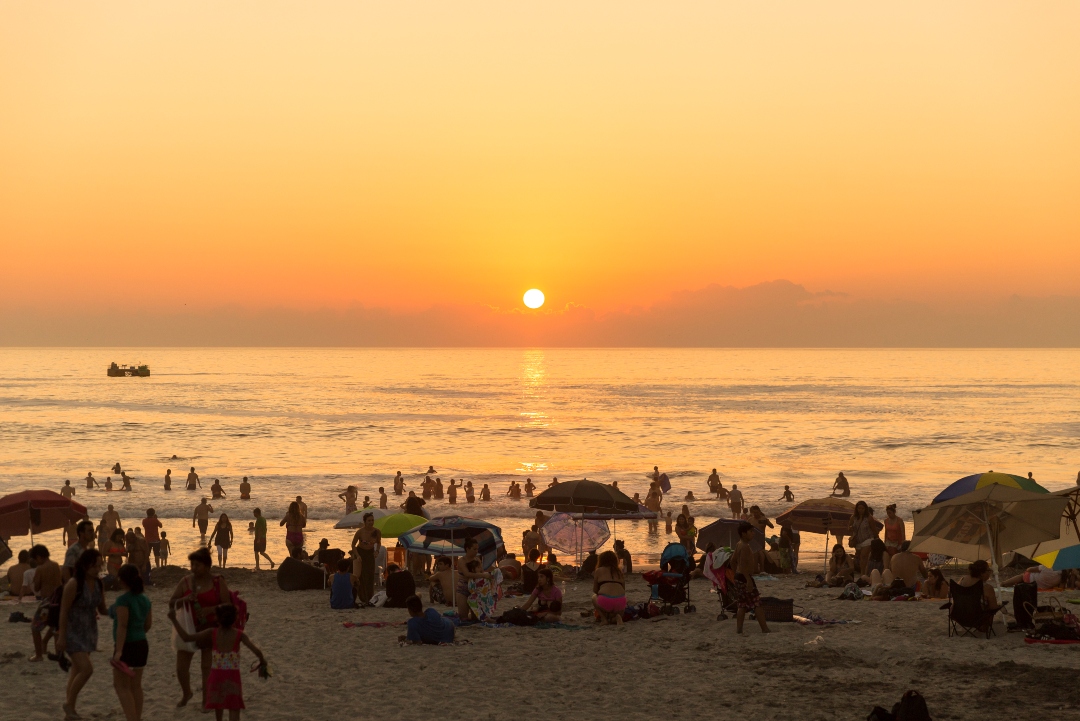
{"x":398,"y":524}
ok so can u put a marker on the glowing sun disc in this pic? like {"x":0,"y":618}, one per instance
{"x":533,"y":298}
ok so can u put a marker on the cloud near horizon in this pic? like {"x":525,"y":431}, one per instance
{"x":774,"y":314}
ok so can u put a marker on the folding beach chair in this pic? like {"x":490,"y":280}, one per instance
{"x":968,"y":614}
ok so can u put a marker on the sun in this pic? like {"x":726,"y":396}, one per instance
{"x":534,"y":298}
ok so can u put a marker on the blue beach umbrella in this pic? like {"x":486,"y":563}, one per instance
{"x":980,"y":480}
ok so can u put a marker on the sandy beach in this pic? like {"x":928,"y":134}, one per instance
{"x":689,"y":664}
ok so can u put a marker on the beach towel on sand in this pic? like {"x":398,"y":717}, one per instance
{"x":482,"y":598}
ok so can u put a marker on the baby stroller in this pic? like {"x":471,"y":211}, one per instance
{"x":671,"y":584}
{"x":718,"y":570}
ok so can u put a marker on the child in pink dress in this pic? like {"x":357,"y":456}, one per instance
{"x":223,"y":687}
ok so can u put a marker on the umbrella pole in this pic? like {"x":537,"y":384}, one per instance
{"x":993,"y":560}
{"x":826,"y":553}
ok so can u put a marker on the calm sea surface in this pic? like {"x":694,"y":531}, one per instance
{"x":901,"y":424}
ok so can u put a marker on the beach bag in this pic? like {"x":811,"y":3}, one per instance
{"x":518,"y":617}
{"x":1025,"y":597}
{"x":379,"y":599}
{"x":1052,"y":613}
{"x":186,"y":620}
{"x":779,"y":610}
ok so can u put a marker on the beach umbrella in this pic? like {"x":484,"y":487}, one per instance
{"x":396,"y":524}
{"x":570,"y":534}
{"x":981,"y":480}
{"x":356,"y":518}
{"x":37,"y":512}
{"x":446,"y":537}
{"x":725,"y":533}
{"x":820,"y":515}
{"x":983,"y":524}
{"x":585,"y":496}
{"x":1064,"y":551}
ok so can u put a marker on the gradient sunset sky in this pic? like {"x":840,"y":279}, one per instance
{"x":403,"y":155}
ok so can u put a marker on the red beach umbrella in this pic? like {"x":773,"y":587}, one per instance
{"x":36,"y":512}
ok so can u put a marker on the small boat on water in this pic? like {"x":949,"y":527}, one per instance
{"x":116,"y":371}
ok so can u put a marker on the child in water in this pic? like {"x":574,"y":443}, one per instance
{"x":223,"y":686}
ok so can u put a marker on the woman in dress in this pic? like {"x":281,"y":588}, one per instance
{"x":83,"y":599}
{"x":204,"y":592}
{"x":222,"y":537}
{"x":294,"y":522}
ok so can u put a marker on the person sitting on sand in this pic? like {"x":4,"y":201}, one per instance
{"x":907,"y":566}
{"x":788,"y":495}
{"x":936,"y":586}
{"x":876,"y":559}
{"x":426,"y":626}
{"x":465,"y":574}
{"x":441,"y":582}
{"x":609,"y":589}
{"x":588,"y":565}
{"x":529,"y":571}
{"x":841,"y":571}
{"x":979,"y":573}
{"x":342,"y":587}
{"x":553,"y":564}
{"x":485,"y":493}
{"x":547,"y":597}
{"x":625,"y":561}
{"x":400,"y":585}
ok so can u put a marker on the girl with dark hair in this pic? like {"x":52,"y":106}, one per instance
{"x":132,"y":618}
{"x":862,"y":532}
{"x":82,"y":601}
{"x":979,"y":574}
{"x":547,"y":597}
{"x":223,"y":538}
{"x":223,"y":686}
{"x":609,"y":589}
{"x":936,"y":585}
{"x":203,"y":592}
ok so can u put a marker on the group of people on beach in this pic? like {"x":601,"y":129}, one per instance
{"x":71,"y":597}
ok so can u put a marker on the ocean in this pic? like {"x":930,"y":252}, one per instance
{"x":901,"y":425}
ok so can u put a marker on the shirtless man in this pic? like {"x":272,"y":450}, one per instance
{"x":303,"y":506}
{"x":125,"y":481}
{"x":907,"y":565}
{"x":530,"y":486}
{"x":735,"y":501}
{"x":485,"y":493}
{"x":111,"y":520}
{"x":382,"y":498}
{"x":787,"y":496}
{"x":47,"y":578}
{"x":90,"y":481}
{"x":399,"y":484}
{"x":714,"y":483}
{"x":554,"y":482}
{"x":746,"y":592}
{"x":216,"y":491}
{"x":67,"y":491}
{"x":193,"y":481}
{"x":202,"y":515}
{"x":349,"y":496}
{"x":245,"y":490}
{"x":168,"y":479}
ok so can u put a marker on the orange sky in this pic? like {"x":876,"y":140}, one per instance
{"x":609,"y":153}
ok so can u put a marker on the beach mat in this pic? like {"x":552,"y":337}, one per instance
{"x":1053,"y":641}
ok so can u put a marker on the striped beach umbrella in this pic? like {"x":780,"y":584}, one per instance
{"x":981,"y":480}
{"x":1064,"y":551}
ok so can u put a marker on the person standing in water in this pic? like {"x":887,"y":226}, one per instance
{"x":438,"y":489}
{"x":530,"y":486}
{"x":168,"y":479}
{"x":399,"y":484}
{"x":382,"y":498}
{"x":714,"y":483}
{"x":349,"y":496}
{"x":125,"y":481}
{"x":67,"y":491}
{"x":216,"y":491}
{"x":90,"y":481}
{"x":451,"y":493}
{"x":202,"y":515}
{"x":470,"y":495}
{"x":363,"y":543}
{"x":788,"y":495}
{"x":485,"y":493}
{"x":193,"y":481}
{"x":245,"y":490}
{"x":260,"y":539}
